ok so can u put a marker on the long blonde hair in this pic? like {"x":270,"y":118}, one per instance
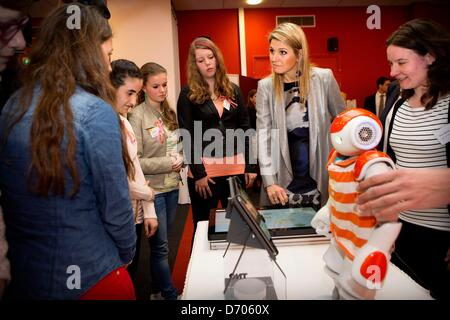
{"x":199,"y":89}
{"x":293,"y":36}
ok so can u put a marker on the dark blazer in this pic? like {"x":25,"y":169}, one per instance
{"x":369,"y":104}
{"x":207,"y":115}
{"x":391,"y":96}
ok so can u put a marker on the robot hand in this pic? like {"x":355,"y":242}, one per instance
{"x":321,"y":221}
{"x":370,"y":264}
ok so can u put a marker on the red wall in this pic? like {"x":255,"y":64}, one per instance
{"x":219,"y":25}
{"x":361,"y":57}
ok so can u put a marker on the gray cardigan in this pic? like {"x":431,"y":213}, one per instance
{"x":324,"y":104}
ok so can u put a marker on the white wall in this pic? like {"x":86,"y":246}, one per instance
{"x":146,"y":31}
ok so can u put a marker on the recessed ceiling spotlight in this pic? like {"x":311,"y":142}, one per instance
{"x":253,"y":2}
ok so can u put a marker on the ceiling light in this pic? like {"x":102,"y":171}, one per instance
{"x":253,"y":2}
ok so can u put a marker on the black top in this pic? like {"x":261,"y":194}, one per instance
{"x":391,"y":97}
{"x":207,"y":117}
{"x":252,"y":116}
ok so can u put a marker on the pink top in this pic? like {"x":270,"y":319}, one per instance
{"x":140,"y":193}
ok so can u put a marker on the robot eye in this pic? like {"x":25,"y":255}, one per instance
{"x":366,"y":134}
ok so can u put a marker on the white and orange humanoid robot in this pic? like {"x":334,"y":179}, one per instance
{"x":359,"y":252}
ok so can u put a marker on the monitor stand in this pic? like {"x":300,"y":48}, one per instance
{"x":240,"y":233}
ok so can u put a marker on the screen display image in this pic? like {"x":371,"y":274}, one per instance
{"x":276,"y":219}
{"x":278,"y":223}
{"x":288,"y":218}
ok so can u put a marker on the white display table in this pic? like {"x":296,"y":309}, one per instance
{"x":302,"y":264}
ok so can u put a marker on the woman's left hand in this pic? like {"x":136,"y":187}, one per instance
{"x":387,"y":194}
{"x":249,"y":179}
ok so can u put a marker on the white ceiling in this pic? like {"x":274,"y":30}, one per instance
{"x":231,"y":4}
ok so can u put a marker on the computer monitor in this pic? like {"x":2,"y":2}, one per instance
{"x":281,"y":223}
{"x":246,"y":220}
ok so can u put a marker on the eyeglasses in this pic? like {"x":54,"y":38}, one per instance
{"x":9,"y":30}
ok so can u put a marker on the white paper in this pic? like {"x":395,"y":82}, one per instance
{"x":226,"y":105}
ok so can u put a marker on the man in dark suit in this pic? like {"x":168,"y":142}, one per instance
{"x":375,"y":103}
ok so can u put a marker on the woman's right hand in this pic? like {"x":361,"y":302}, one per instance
{"x":277,"y":194}
{"x":202,"y":187}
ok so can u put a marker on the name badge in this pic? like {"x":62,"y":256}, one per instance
{"x":154,"y":132}
{"x":226,"y":105}
{"x":443,"y":134}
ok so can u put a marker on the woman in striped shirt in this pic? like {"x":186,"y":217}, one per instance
{"x":418,"y":193}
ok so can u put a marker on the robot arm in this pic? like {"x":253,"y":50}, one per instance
{"x":321,"y":221}
{"x":371,"y":163}
{"x":370,"y":264}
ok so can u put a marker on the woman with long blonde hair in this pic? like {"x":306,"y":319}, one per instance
{"x":299,"y":101}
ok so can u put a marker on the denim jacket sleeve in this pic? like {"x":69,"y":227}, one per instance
{"x":104,"y":157}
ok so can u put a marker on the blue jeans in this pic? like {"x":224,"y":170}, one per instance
{"x":166,"y":208}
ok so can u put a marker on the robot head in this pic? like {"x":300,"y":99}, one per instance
{"x":355,"y":131}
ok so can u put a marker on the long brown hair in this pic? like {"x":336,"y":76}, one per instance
{"x":199,"y":89}
{"x":168,"y":116}
{"x":61,"y":60}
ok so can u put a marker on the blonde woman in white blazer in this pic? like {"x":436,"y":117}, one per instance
{"x":295,"y":107}
{"x":127,"y":79}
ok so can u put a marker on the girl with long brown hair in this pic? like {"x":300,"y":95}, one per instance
{"x":64,"y":186}
{"x":155,"y":126}
{"x":127,"y":79}
{"x":213,"y":101}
